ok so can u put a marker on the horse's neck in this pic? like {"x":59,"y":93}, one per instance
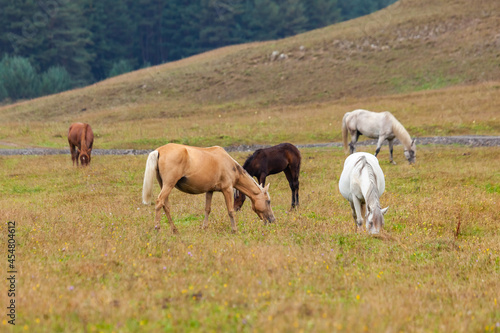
{"x":247,"y":185}
{"x":249,"y":166}
{"x":401,"y":133}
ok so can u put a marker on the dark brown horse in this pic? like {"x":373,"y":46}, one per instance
{"x":269,"y":161}
{"x":80,"y":136}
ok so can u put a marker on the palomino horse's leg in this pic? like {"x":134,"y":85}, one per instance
{"x":390,"y":151}
{"x":293,"y":182}
{"x":228,"y":196}
{"x":208,"y":205}
{"x":162,"y":202}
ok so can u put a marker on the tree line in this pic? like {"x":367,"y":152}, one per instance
{"x":47,"y":46}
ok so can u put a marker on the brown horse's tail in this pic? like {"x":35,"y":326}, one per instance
{"x":345,"y":133}
{"x":149,"y":175}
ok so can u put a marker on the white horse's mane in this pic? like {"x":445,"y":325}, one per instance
{"x":400,"y":132}
{"x":372,"y":193}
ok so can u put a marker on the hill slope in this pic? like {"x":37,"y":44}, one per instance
{"x":410,"y":46}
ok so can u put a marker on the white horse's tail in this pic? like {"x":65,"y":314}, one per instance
{"x":149,"y":176}
{"x":345,"y":133}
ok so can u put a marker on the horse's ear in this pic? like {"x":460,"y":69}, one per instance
{"x":267,"y":187}
{"x":414,"y":141}
{"x":384,"y":210}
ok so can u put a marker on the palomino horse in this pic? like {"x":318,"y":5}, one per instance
{"x":268,"y":161}
{"x":80,"y":135}
{"x":196,"y":170}
{"x":379,"y":126}
{"x":362,"y":183}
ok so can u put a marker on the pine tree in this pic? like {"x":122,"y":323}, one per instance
{"x":218,"y":21}
{"x":66,"y":40}
{"x":292,"y":19}
{"x":113,"y":31}
{"x":263,"y":19}
{"x":19,"y":27}
{"x":321,"y":13}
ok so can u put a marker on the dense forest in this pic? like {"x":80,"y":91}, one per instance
{"x":47,"y":46}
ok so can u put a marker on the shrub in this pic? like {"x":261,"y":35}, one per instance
{"x":120,"y":67}
{"x":54,"y":80}
{"x":3,"y":92}
{"x":19,"y":78}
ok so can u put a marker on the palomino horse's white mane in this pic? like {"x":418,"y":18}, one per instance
{"x":237,"y":192}
{"x":248,"y":175}
{"x":400,"y":132}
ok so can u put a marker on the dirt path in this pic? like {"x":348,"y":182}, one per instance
{"x":467,"y":140}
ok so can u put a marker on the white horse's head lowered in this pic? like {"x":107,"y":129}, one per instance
{"x":411,"y":153}
{"x":375,"y":219}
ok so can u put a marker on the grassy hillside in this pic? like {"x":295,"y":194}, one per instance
{"x":372,"y":62}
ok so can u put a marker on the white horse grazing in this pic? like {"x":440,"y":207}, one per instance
{"x":382,"y":126}
{"x":362,"y":183}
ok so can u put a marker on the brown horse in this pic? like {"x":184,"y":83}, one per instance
{"x":196,"y":170}
{"x":80,"y":135}
{"x":268,"y":161}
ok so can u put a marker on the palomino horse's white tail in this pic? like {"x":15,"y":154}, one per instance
{"x":345,"y":133}
{"x":149,"y":176}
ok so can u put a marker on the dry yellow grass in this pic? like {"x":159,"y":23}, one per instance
{"x":89,"y":259}
{"x":414,"y":45}
{"x":451,"y":111}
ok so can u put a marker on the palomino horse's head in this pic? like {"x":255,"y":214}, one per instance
{"x":262,"y":205}
{"x":84,"y":158}
{"x":411,"y":154}
{"x":375,"y":219}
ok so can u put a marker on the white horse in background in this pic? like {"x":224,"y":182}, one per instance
{"x":382,"y":126}
{"x":362,"y":183}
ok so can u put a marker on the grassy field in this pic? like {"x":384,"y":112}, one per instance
{"x":90,"y":261}
{"x":434,"y":64}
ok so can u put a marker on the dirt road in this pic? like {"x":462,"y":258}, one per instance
{"x":468,"y":140}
